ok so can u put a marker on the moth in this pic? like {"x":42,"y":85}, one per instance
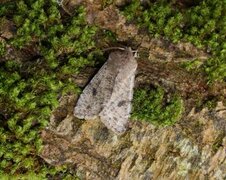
{"x":109,"y":93}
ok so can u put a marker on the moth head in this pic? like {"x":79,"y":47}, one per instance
{"x":122,"y":57}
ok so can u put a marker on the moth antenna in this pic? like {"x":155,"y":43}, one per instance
{"x":114,"y":48}
{"x":123,"y":49}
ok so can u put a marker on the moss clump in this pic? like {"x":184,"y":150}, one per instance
{"x":203,"y":24}
{"x":151,"y":105}
{"x":192,"y":65}
{"x":30,"y":90}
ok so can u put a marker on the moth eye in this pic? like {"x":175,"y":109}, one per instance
{"x":94,"y":92}
{"x":121,"y":103}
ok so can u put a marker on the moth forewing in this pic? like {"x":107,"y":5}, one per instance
{"x":109,"y":93}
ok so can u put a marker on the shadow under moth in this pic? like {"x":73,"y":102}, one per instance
{"x":110,"y":92}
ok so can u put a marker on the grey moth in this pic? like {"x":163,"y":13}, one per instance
{"x":109,"y":94}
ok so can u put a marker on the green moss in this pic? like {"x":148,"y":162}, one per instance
{"x":218,"y":143}
{"x":46,"y":173}
{"x":203,"y":24}
{"x":192,"y":65}
{"x":151,"y":105}
{"x":30,"y":90}
{"x":2,"y":48}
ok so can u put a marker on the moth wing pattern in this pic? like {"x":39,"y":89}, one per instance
{"x":109,"y":93}
{"x":96,"y":93}
{"x":116,"y":113}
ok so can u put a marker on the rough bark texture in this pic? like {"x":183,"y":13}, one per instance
{"x":194,"y":148}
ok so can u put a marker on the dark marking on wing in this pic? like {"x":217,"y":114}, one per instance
{"x":121,"y":103}
{"x":94,"y":92}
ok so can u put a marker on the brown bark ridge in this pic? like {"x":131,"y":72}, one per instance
{"x":194,"y":148}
